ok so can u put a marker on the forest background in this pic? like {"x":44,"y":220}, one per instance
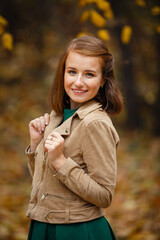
{"x":33,"y":34}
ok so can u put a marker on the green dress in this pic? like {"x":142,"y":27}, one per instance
{"x":97,"y":229}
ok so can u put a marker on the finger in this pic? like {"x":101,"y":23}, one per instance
{"x":49,"y":146}
{"x":33,"y":124}
{"x":52,"y":137}
{"x":38,"y":124}
{"x":53,"y":141}
{"x":55,"y":134}
{"x":46,"y":118}
{"x":42,"y":121}
{"x":50,"y":142}
{"x":57,"y":137}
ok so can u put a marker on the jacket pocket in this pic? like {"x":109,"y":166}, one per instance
{"x":53,"y":196}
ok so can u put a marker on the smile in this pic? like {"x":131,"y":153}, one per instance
{"x":79,"y":91}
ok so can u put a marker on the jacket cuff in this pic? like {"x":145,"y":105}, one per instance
{"x":64,"y":171}
{"x":30,"y":155}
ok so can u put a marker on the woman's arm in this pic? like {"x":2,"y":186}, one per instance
{"x":99,"y":153}
{"x":36,"y":131}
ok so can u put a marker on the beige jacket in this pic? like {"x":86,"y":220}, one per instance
{"x":85,"y":184}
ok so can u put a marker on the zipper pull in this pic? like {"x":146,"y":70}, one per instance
{"x":44,"y":195}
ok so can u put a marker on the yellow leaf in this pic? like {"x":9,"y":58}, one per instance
{"x":106,"y":7}
{"x":84,"y":16}
{"x":126,"y":34}
{"x":7,"y":41}
{"x":97,"y":19}
{"x":155,"y":10}
{"x":3,"y":21}
{"x":103,"y":34}
{"x":158,"y":29}
{"x":109,"y":13}
{"x":82,"y":3}
{"x":1,"y":29}
{"x":141,"y":3}
{"x":102,"y":4}
{"x":91,"y":1}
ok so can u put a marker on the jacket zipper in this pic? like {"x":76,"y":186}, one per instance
{"x":55,"y":196}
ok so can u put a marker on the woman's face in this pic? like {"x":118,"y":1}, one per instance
{"x":82,"y":78}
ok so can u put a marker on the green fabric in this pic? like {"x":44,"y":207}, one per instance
{"x":68,"y":113}
{"x":98,"y":229}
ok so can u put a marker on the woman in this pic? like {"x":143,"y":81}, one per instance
{"x":72,"y":152}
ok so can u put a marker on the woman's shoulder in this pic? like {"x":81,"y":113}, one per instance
{"x":98,"y":115}
{"x":101,"y":121}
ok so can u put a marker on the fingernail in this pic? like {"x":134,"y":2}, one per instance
{"x":42,"y":129}
{"x":40,"y":132}
{"x":46,"y":123}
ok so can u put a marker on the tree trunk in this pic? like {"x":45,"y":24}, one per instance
{"x":156,"y":107}
{"x":127,"y":68}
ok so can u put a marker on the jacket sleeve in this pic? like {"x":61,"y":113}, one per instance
{"x":31,"y":160}
{"x":99,"y":153}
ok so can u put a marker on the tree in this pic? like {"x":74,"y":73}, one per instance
{"x":130,"y":23}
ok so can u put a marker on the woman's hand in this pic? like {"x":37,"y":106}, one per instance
{"x":54,"y":145}
{"x":36,"y":130}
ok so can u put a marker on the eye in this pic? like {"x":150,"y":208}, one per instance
{"x":89,"y":74}
{"x":72,"y":72}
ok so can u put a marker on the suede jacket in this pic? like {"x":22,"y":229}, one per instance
{"x":85,"y":184}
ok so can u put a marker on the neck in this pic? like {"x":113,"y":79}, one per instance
{"x":74,"y":105}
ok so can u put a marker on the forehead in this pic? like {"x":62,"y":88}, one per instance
{"x":75,"y":59}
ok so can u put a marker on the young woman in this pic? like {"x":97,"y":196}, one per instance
{"x":72,"y":151}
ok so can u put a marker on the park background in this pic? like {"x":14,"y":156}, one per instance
{"x":33,"y":34}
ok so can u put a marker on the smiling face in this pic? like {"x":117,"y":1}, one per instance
{"x":82,"y":78}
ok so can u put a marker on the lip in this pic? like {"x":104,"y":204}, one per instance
{"x":78,"y":91}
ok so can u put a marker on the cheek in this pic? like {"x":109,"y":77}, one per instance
{"x":67,"y":84}
{"x":67,"y":81}
{"x":95,"y":87}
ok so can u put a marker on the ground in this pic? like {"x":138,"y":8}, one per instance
{"x":133,"y":213}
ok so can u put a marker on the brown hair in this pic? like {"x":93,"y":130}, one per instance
{"x":109,"y":95}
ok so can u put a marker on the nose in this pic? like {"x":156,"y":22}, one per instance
{"x":79,"y":81}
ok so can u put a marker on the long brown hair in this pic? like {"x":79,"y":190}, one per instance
{"x":108,"y":95}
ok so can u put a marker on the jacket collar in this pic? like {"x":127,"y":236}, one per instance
{"x":65,"y":128}
{"x":87,"y":107}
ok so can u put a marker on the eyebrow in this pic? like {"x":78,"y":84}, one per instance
{"x":87,"y":70}
{"x":71,"y":68}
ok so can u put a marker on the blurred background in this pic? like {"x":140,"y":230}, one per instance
{"x":33,"y":34}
